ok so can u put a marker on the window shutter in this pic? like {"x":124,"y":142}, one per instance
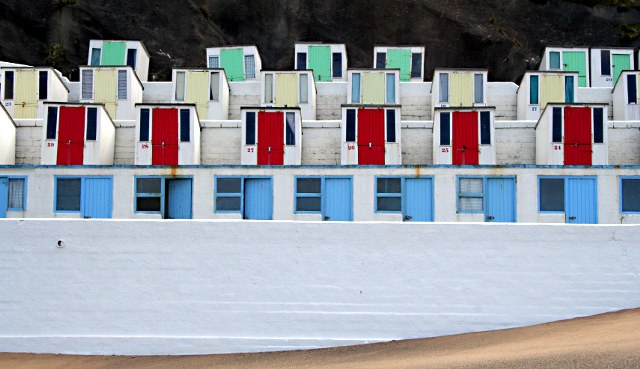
{"x":214,"y":62}
{"x":52,"y":122}
{"x":478,"y":86}
{"x":355,"y":88}
{"x":557,"y":125}
{"x":416,"y":65}
{"x":249,"y":67}
{"x":144,"y":125}
{"x":445,"y":129}
{"x":214,"y":87}
{"x":92,"y":124}
{"x":485,"y":128}
{"x":122,"y":84}
{"x":554,"y":60}
{"x":598,"y":125}
{"x":180,"y":82}
{"x":43,"y":85}
{"x":291,"y":129}
{"x":568,"y":89}
{"x":381,"y":60}
{"x":605,"y":62}
{"x":632,"y":89}
{"x":185,"y":124}
{"x":268,"y":88}
{"x":95,"y":57}
{"x":391,"y":125}
{"x":301,"y":61}
{"x":444,"y":87}
{"x":351,"y":125}
{"x":87,"y":84}
{"x":304,"y":88}
{"x":534,"y":83}
{"x":337,"y":65}
{"x":132,"y":55}
{"x":251,"y":128}
{"x":391,"y":88}
{"x":8,"y":84}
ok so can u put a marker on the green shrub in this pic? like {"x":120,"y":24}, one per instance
{"x":56,"y":56}
{"x":630,"y":31}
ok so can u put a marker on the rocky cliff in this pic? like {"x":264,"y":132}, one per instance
{"x":506,"y":36}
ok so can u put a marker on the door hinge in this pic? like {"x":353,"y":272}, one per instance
{"x":326,"y":218}
{"x":407,"y":218}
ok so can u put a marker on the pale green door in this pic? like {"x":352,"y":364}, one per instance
{"x":620,"y":62}
{"x":113,"y":53}
{"x":320,"y":62}
{"x":400,"y":59}
{"x":232,"y":61}
{"x":576,"y":61}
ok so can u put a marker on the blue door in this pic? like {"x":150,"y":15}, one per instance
{"x":581,"y":201}
{"x":500,"y":200}
{"x":4,"y":196}
{"x":179,"y":199}
{"x":418,"y":200}
{"x":258,"y":199}
{"x":338,"y":200}
{"x":97,"y":198}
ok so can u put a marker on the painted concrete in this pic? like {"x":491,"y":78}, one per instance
{"x":7,"y":138}
{"x":223,"y":286}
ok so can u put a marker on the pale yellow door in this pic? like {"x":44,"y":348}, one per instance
{"x":25,"y":100}
{"x":198,"y":92}
{"x":551,"y":90}
{"x":286,"y":89}
{"x":461,"y":89}
{"x":105,"y":89}
{"x":373,"y":88}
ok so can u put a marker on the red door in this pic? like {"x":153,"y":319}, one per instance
{"x":577,"y":136}
{"x":371,"y":137}
{"x":465,"y":138}
{"x":164,"y":137}
{"x":270,"y":138}
{"x":71,"y":135}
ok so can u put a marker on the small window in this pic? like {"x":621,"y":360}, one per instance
{"x":304,"y":88}
{"x":87,"y":84}
{"x":92,"y":124}
{"x":43,"y":87}
{"x":185,"y":125}
{"x":251,"y":128}
{"x":301,"y":59}
{"x":52,"y":122}
{"x":630,"y":192}
{"x":268,"y":88}
{"x":228,"y":194}
{"x":214,"y":86}
{"x":557,"y":125}
{"x":445,"y":129}
{"x":381,"y":60}
{"x":68,"y":194}
{"x":598,"y":125}
{"x":180,"y":84}
{"x":249,"y":67}
{"x":391,"y":89}
{"x":391,"y":125}
{"x":95,"y":56}
{"x":470,"y":195}
{"x":144,"y":125}
{"x":308,"y":195}
{"x":16,"y":194}
{"x":389,"y":194}
{"x":554,"y":60}
{"x":605,"y":62}
{"x":351,"y":125}
{"x":337,"y":65}
{"x":416,"y":65}
{"x":214,"y":62}
{"x":8,"y":85}
{"x":355,"y":88}
{"x":485,"y":128}
{"x":290,"y":129}
{"x":149,"y":195}
{"x":534,"y":91}
{"x":444,"y":87}
{"x":132,"y":55}
{"x":552,"y":194}
{"x":632,"y":89}
{"x":122,"y":85}
{"x":478,"y":88}
{"x":568,"y":89}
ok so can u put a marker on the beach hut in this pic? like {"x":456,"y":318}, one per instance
{"x":118,"y":88}
{"x":464,"y":136}
{"x":327,"y":61}
{"x":117,"y":53}
{"x":371,"y":134}
{"x":290,"y":89}
{"x":408,"y":59}
{"x":608,"y":63}
{"x":538,"y":88}
{"x":271,"y":136}
{"x":456,"y":87}
{"x":241,"y":63}
{"x":568,"y":59}
{"x":626,"y":96}
{"x":207,"y":88}
{"x":26,"y":89}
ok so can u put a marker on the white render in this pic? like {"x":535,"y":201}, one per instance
{"x":142,"y":56}
{"x":307,"y":109}
{"x":443,"y":154}
{"x":196,"y":287}
{"x":292,"y":153}
{"x":413,"y":49}
{"x":622,"y":109}
{"x":98,"y":152}
{"x":246,"y":50}
{"x":597,"y":78}
{"x":7,"y":138}
{"x":303,"y":47}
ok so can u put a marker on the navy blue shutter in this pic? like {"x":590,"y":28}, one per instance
{"x":52,"y":122}
{"x":92,"y":124}
{"x":381,"y":60}
{"x":391,"y":125}
{"x":416,"y":65}
{"x":43,"y":87}
{"x":290,"y":135}
{"x":251,"y":128}
{"x":337,"y":65}
{"x":598,"y":125}
{"x":8,"y":85}
{"x":302,"y":61}
{"x":131,"y":57}
{"x":144,"y":124}
{"x":631,"y":89}
{"x":185,"y":132}
{"x":351,"y":125}
{"x":605,"y":62}
{"x":485,"y":128}
{"x":557,"y":125}
{"x":445,"y":129}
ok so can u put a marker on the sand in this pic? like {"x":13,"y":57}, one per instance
{"x":602,"y":341}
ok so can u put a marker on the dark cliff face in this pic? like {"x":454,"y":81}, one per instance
{"x":505,"y":36}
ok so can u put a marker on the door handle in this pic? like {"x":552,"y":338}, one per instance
{"x":572,"y":218}
{"x":327,"y":217}
{"x":269,"y":148}
{"x":369,"y":144}
{"x":407,"y":218}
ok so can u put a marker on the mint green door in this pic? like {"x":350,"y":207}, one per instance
{"x":620,"y":62}
{"x":576,"y":61}
{"x":400,"y":59}
{"x":320,"y":62}
{"x":113,"y":53}
{"x":232,"y":61}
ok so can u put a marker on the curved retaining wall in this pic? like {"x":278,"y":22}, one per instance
{"x":193,"y":287}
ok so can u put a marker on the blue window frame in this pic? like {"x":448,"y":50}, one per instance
{"x":17,"y":198}
{"x":389,"y":192}
{"x":471,"y":195}
{"x":630,"y":195}
{"x":229,"y":193}
{"x":551,"y":194}
{"x":149,"y":194}
{"x":68,"y":193}
{"x":309,"y":194}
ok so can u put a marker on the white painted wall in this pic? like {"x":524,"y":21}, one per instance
{"x":330,"y":97}
{"x":243,"y":94}
{"x":416,"y":100}
{"x":199,"y":288}
{"x":622,"y":109}
{"x":502,"y":95}
{"x":7,"y":139}
{"x":597,"y":78}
